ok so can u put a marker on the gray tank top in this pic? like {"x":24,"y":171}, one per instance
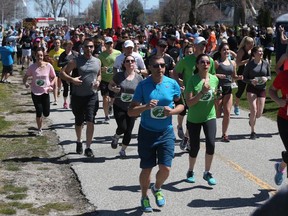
{"x":88,"y":69}
{"x":124,"y":97}
{"x":226,"y":70}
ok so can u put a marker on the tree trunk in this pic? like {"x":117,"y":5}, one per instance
{"x":192,"y":13}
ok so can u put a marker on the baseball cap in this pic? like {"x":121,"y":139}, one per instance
{"x":37,"y":40}
{"x":108,"y":40}
{"x":199,"y":40}
{"x":128,"y":43}
{"x":162,"y":42}
{"x":172,"y":37}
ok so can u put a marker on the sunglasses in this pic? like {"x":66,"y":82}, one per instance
{"x":205,"y":62}
{"x":129,"y":61}
{"x":162,"y":46}
{"x":162,"y":65}
{"x":109,"y":43}
{"x":89,"y":46}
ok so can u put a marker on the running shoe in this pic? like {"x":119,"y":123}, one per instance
{"x":79,"y":148}
{"x":225,"y":138}
{"x":106,"y":120}
{"x":110,"y":110}
{"x":253,"y":136}
{"x":39,"y":133}
{"x":89,"y":153}
{"x":180,"y":132}
{"x":114,"y":142}
{"x":236,"y":110}
{"x":159,"y":197}
{"x":209,"y":178}
{"x":183,"y":143}
{"x":190,"y":176}
{"x":122,"y":154}
{"x":55,"y":103}
{"x":65,"y":105}
{"x":278,"y":178}
{"x":145,"y":205}
{"x":234,"y":85}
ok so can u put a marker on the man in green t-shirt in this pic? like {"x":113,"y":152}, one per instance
{"x":107,"y":59}
{"x":185,"y":69}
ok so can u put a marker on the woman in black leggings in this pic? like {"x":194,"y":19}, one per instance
{"x":200,"y":96}
{"x":243,"y":57}
{"x":280,"y":84}
{"x":123,"y":85}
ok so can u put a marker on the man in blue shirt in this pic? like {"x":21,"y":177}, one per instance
{"x":6,"y":52}
{"x":156,"y":99}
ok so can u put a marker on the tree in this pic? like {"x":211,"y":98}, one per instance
{"x":93,"y":11}
{"x":264,"y":18}
{"x":132,"y":12}
{"x":51,"y":7}
{"x":175,"y":12}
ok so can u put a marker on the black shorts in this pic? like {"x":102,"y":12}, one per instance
{"x":57,"y":73}
{"x":105,"y":90}
{"x":7,"y":69}
{"x":84,"y":108}
{"x":226,"y":90}
{"x":258,"y":92}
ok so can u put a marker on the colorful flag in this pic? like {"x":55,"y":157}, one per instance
{"x":116,"y":16}
{"x":103,"y":16}
{"x":108,"y":15}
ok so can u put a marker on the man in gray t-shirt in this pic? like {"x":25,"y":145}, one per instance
{"x":84,"y":99}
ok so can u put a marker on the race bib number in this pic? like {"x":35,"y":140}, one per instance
{"x":158,"y":112}
{"x":109,"y":70}
{"x":208,"y":96}
{"x":125,"y":97}
{"x":40,"y":82}
{"x":259,"y":80}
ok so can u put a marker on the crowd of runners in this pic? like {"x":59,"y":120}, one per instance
{"x":154,"y":73}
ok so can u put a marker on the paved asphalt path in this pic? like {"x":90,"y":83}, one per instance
{"x":243,"y":168}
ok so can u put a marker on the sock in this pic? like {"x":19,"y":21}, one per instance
{"x":154,"y":188}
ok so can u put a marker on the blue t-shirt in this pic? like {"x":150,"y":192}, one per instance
{"x":165,"y":92}
{"x":6,"y":55}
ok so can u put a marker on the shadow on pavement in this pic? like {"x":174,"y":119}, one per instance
{"x":131,"y":211}
{"x":230,"y":203}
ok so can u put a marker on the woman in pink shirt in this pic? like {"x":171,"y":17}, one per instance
{"x":43,"y":79}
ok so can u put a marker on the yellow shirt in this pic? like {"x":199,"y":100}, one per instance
{"x":55,"y":57}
